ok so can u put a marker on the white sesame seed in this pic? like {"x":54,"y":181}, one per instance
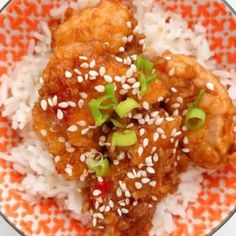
{"x":41,"y":81}
{"x":72,"y":128}
{"x":136,"y":85}
{"x":92,"y":64}
{"x":70,"y":149}
{"x":138,"y":185}
{"x":57,"y":159}
{"x":60,"y":114}
{"x":184,"y":128}
{"x":116,"y":162}
{"x":111,"y":204}
{"x":185,"y":150}
{"x":173,"y":89}
{"x":124,"y":39}
{"x":146,"y":105}
{"x":68,"y":74}
{"x":44,"y":104}
{"x":84,"y":131}
{"x":83,"y":58}
{"x":176,"y":105}
{"x":69,"y":171}
{"x":176,"y":112}
{"x":80,"y":79}
{"x":108,"y":78}
{"x":145,"y":180}
{"x":124,"y":210}
{"x":147,"y":118}
{"x":102,"y":71}
{"x":96,"y":192}
{"x":170,"y":119}
{"x":145,"y":142}
{"x":83,"y":95}
{"x":210,"y":86}
{"x":159,"y":121}
{"x":141,"y":121}
{"x":119,"y":212}
{"x":129,"y":25}
{"x":150,"y":170}
{"x":135,"y":203}
{"x":141,"y":42}
{"x":130,"y":38}
{"x":154,"y":198}
{"x":140,"y":151}
{"x":77,"y":71}
{"x":80,"y":103}
{"x":134,"y":57}
{"x":61,"y":139}
{"x":119,"y":59}
{"x":153,"y":183}
{"x":129,"y":73}
{"x":179,"y":99}
{"x":86,"y":76}
{"x":63,"y":104}
{"x":168,"y":58}
{"x":117,"y":78}
{"x":155,"y":157}
{"x":54,"y":100}
{"x":93,"y":73}
{"x":160,"y":99}
{"x":127,"y":193}
{"x":121,"y":49}
{"x":131,"y":80}
{"x":130,"y":175}
{"x":102,"y":208}
{"x":100,"y":88}
{"x":84,"y":65}
{"x":155,"y":136}
{"x":128,"y":61}
{"x":185,"y":140}
{"x":50,"y":102}
{"x":163,"y":136}
{"x":94,"y":222}
{"x":141,"y":132}
{"x":160,"y":131}
{"x":138,"y":116}
{"x":43,"y":132}
{"x":153,"y":149}
{"x":126,"y":86}
{"x":123,"y":91}
{"x":171,"y":72}
{"x":118,"y":192}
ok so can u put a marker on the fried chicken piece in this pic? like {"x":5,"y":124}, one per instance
{"x":212,"y":145}
{"x":109,"y":23}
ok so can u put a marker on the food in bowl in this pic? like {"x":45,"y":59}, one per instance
{"x":122,"y":120}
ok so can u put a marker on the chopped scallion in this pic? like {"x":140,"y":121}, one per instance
{"x":124,"y":107}
{"x":100,"y":167}
{"x":143,"y":82}
{"x":144,"y":64}
{"x":195,"y":118}
{"x":124,"y":139}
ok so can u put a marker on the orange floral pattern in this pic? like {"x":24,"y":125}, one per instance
{"x":218,"y":196}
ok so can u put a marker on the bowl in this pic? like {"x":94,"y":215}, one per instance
{"x":217,"y":200}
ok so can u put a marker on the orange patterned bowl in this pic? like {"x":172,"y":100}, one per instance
{"x":217,"y":200}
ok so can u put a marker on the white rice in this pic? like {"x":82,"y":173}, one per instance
{"x":18,"y":93}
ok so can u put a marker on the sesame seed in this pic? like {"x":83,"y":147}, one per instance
{"x":160,"y":99}
{"x":121,"y":49}
{"x":92,"y":64}
{"x":154,"y":198}
{"x":159,"y":121}
{"x":153,"y":149}
{"x":141,"y":121}
{"x":63,"y":104}
{"x":83,"y":95}
{"x":138,"y":116}
{"x":145,"y":142}
{"x":153,"y":183}
{"x":107,"y":209}
{"x":176,"y":112}
{"x":146,"y":105}
{"x":150,"y":170}
{"x":119,"y":59}
{"x":145,"y":180}
{"x":131,"y":80}
{"x":130,"y":125}
{"x":174,"y":90}
{"x":185,"y":150}
{"x":128,"y":61}
{"x":176,"y":105}
{"x":96,"y":192}
{"x":124,"y":39}
{"x":136,"y":85}
{"x":102,"y":71}
{"x":61,"y":139}
{"x":126,"y":86}
{"x":141,"y":42}
{"x":117,"y":78}
{"x":118,"y":192}
{"x":102,"y":208}
{"x":108,"y":78}
{"x":138,"y":185}
{"x":184,"y":128}
{"x":44,"y":104}
{"x":54,"y":100}
{"x":70,"y":149}
{"x":170,"y":119}
{"x":68,"y":74}
{"x":111,"y":204}
{"x":129,"y":25}
{"x":160,"y":131}
{"x":135,"y":203}
{"x":178,"y":133}
{"x":141,"y":132}
{"x":210,"y":86}
{"x":69,"y":171}
{"x":94,"y":222}
{"x":127,"y":193}
{"x":140,"y":151}
{"x":163,"y":136}
{"x":72,"y":128}
{"x":168,"y":58}
{"x":116,"y":162}
{"x":155,"y":136}
{"x":154,"y":113}
{"x":123,"y":91}
{"x":80,"y":79}
{"x":80,"y":103}
{"x":119,"y":212}
{"x":57,"y":159}
{"x":60,"y":114}
{"x":83,"y":58}
{"x":93,"y":73}
{"x":130,"y":175}
{"x":171,"y":72}
{"x":77,"y":71}
{"x":155,"y":157}
{"x":50,"y":102}
{"x":147,"y":118}
{"x":124,"y":210}
{"x":84,"y":131}
{"x":129,"y":73}
{"x":84,"y":65}
{"x":41,"y":81}
{"x":100,"y":88}
{"x":43,"y":132}
{"x":86,"y":76}
{"x":130,"y":38}
{"x":185,"y":140}
{"x":179,"y":100}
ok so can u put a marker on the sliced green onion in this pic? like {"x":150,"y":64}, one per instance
{"x":143,"y":83}
{"x":100,"y":167}
{"x":151,"y":78}
{"x":144,"y":64}
{"x":197,"y":99}
{"x":95,"y":105}
{"x":124,"y":139}
{"x":195,"y":118}
{"x":124,"y":107}
{"x":116,"y":123}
